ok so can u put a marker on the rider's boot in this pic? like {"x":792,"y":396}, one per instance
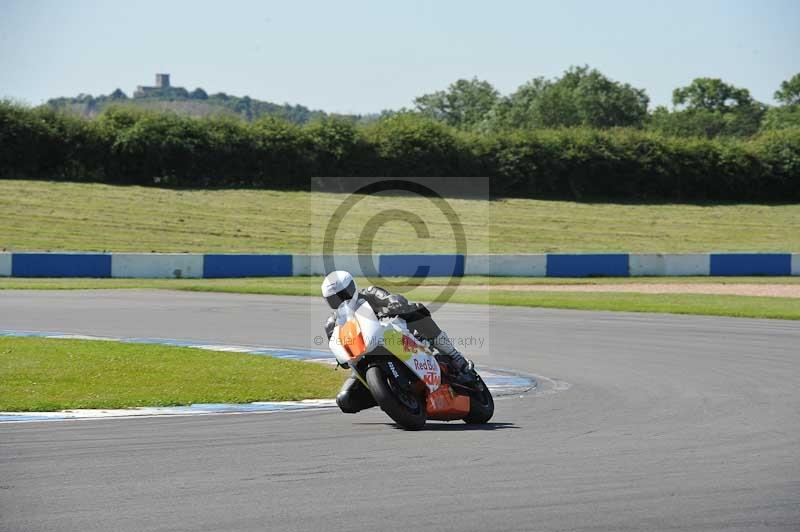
{"x":354,"y":396}
{"x":460,"y":364}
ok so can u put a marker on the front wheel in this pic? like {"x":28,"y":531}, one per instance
{"x":481,"y":405}
{"x":402,"y":406}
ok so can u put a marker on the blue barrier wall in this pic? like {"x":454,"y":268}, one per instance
{"x":395,"y":265}
{"x":421,"y":265}
{"x":215,"y":266}
{"x":588,"y":265}
{"x":60,"y":265}
{"x":751,"y":264}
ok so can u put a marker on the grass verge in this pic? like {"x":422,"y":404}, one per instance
{"x":700,"y":304}
{"x":472,"y":290}
{"x":38,"y":374}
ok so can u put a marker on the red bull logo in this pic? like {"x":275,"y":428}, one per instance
{"x":424,"y":365}
{"x":409,"y":345}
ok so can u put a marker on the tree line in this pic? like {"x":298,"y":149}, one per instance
{"x":178,"y":99}
{"x":577,"y":160}
{"x":582,"y":96}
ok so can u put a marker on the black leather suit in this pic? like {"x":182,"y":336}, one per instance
{"x":354,"y":396}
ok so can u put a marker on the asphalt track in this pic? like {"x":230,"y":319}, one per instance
{"x":668,"y":423}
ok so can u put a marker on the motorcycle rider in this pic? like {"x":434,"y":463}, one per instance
{"x":339,"y":286}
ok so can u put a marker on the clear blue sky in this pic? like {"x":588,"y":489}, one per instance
{"x":353,"y":56}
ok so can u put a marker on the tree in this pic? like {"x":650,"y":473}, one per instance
{"x":581,"y":97}
{"x":523,"y":109}
{"x":783,"y":117}
{"x":244,"y":106}
{"x":711,"y":94}
{"x":198,"y":94}
{"x":118,"y":95}
{"x":789,"y":93}
{"x":464,"y":104}
{"x":709,"y":107}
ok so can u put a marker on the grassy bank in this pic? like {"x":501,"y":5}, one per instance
{"x":474,"y":290}
{"x":39,"y":374}
{"x":92,"y":217}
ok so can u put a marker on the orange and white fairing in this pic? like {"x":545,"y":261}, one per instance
{"x":359,"y":332}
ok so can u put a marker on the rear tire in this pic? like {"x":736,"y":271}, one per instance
{"x":405,"y":409}
{"x":481,"y":406}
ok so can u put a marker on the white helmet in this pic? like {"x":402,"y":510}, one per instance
{"x":337,"y":287}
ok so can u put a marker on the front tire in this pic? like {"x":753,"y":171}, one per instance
{"x":481,"y":406}
{"x":404,"y":408}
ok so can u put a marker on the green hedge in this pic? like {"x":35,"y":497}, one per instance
{"x":129,"y":146}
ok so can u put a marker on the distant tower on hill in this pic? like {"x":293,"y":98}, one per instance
{"x":162,"y":82}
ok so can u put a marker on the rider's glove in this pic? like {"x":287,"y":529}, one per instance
{"x":330,"y":325}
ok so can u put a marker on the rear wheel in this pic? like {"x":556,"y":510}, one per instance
{"x":406,"y":409}
{"x":481,"y":405}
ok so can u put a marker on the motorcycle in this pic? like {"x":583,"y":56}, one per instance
{"x":402,"y":373}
